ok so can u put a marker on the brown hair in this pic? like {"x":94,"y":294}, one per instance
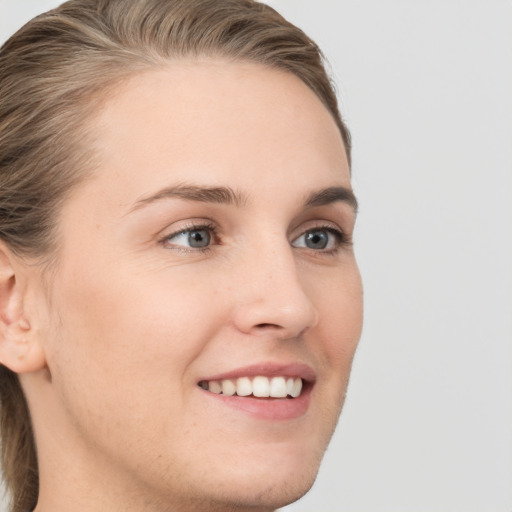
{"x":53,"y":73}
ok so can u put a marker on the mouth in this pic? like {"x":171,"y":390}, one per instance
{"x":266,"y":391}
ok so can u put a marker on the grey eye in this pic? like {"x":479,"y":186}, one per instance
{"x":316,"y":239}
{"x":199,"y":238}
{"x":193,"y":238}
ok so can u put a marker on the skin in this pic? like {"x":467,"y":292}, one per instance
{"x":111,"y":353}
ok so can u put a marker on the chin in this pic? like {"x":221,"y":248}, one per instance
{"x":265,"y":483}
{"x":268,"y":493}
{"x":268,"y":470}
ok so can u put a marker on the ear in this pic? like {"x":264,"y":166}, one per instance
{"x":20,"y":348}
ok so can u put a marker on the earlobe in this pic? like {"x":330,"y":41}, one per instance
{"x":20,"y":349}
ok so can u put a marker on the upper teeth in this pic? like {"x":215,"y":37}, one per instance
{"x":275,"y":387}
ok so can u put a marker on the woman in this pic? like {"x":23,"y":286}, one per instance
{"x":180,"y":303}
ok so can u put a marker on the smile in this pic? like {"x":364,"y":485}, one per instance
{"x":259,"y":386}
{"x":266,"y":391}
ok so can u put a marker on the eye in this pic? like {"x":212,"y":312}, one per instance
{"x":195,"y":237}
{"x":320,"y":239}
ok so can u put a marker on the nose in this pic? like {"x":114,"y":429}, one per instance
{"x":272,"y":300}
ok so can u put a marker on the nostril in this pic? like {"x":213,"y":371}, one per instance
{"x":264,"y":326}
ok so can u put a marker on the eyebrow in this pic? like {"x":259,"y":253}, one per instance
{"x":202,"y":194}
{"x":332,"y":195}
{"x":229,"y":196}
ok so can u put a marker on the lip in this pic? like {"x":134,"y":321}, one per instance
{"x":273,"y":409}
{"x":268,"y":369}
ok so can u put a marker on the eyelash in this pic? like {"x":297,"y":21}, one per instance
{"x":342,"y":240}
{"x":211,"y":228}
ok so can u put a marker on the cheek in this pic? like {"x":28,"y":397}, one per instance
{"x":340,"y":308}
{"x":140,"y":333}
{"x":120,"y":356}
{"x":135,"y":312}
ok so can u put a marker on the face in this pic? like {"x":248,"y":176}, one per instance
{"x":210,"y":251}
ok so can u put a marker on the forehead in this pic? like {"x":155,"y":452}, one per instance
{"x":199,"y":115}
{"x":262,"y":132}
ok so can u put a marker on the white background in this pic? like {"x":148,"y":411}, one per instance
{"x":426,"y":88}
